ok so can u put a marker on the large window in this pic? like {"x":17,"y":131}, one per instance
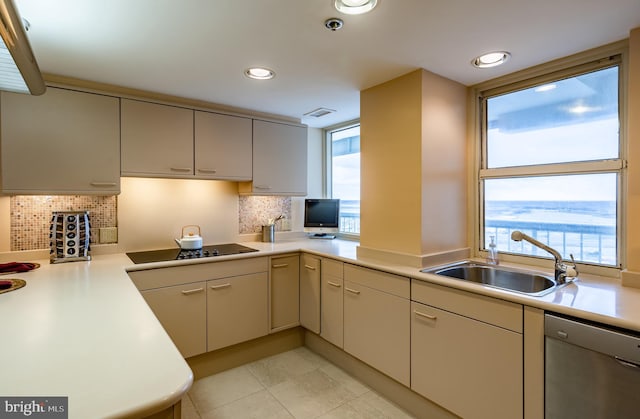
{"x":551,"y":165}
{"x":344,"y":175}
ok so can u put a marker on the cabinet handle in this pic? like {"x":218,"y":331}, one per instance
{"x":103,"y":184}
{"x":334,"y":284}
{"x":426,"y":316}
{"x":217,"y":287}
{"x":208,"y":170}
{"x":312,"y":268}
{"x":193,"y":291}
{"x":180,"y":169}
{"x":282,"y":265}
{"x":262,"y":186}
{"x":352,"y":290}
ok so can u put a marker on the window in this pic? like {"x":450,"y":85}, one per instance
{"x":551,"y":165}
{"x":344,"y":175}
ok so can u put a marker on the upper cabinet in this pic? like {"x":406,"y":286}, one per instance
{"x":157,"y":140}
{"x":279,"y":160}
{"x":223,"y":146}
{"x":63,"y":142}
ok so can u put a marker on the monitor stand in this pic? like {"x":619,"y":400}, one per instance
{"x":321,"y":236}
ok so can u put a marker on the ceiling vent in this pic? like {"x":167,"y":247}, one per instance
{"x":320,"y":112}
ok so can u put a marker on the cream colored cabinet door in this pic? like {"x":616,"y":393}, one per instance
{"x":63,"y":142}
{"x":157,"y":140}
{"x":181,"y":310}
{"x":279,"y":160}
{"x":310,"y":292}
{"x":469,"y":367}
{"x":237,"y":309}
{"x":377,"y":329}
{"x":223,"y":146}
{"x":331,"y":304}
{"x":284,"y":289}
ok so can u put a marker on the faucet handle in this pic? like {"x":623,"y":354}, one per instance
{"x":571,"y":271}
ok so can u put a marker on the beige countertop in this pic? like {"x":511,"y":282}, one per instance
{"x":82,"y":329}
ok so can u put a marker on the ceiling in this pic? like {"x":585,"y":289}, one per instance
{"x":199,"y":49}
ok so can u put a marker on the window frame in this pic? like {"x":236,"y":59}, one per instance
{"x":601,"y":58}
{"x":328,"y":167}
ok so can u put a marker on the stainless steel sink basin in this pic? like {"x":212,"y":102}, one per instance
{"x":510,"y":279}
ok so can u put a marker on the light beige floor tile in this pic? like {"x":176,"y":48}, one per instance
{"x":260,"y":405}
{"x":346,"y":381}
{"x":216,"y":390}
{"x":188,"y":409}
{"x":287,"y":365}
{"x":311,"y":395}
{"x":368,"y":406}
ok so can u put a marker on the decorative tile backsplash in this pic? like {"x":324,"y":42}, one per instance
{"x":255,"y":211}
{"x":31,"y":216}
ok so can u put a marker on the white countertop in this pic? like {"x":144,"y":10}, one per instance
{"x":82,"y":330}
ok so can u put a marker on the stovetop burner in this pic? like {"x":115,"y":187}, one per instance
{"x":163,"y":255}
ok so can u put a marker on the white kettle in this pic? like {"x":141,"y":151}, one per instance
{"x":190,"y":241}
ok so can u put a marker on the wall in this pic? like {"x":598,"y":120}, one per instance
{"x":413,"y":162}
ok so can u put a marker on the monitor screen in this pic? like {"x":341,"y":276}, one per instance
{"x":321,"y":215}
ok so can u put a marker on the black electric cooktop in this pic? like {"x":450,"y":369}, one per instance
{"x":178,"y":254}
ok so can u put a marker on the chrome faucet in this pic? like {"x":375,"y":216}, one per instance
{"x":563,"y":273}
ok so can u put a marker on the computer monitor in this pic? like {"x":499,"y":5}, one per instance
{"x":321,"y":217}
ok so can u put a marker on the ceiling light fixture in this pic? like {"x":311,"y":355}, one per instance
{"x":259,"y":73}
{"x":491,"y":59}
{"x":355,"y":7}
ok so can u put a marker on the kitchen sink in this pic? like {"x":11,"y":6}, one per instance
{"x":509,"y":279}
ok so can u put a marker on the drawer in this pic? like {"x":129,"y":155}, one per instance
{"x":486,"y":309}
{"x":333,"y":268}
{"x":382,"y":281}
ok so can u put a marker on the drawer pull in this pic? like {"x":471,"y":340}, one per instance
{"x":266,"y":187}
{"x":426,"y":316}
{"x":352,"y":290}
{"x":311,"y":268}
{"x":217,"y":287}
{"x":207,"y":170}
{"x":281,"y":265}
{"x":180,"y":169}
{"x":193,"y":291}
{"x":334,"y":284}
{"x":103,"y":184}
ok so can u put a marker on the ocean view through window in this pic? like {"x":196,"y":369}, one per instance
{"x":344,"y":144}
{"x":551,"y":166}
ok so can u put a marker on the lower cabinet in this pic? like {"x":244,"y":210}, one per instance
{"x":468,"y":366}
{"x":178,"y":306}
{"x":310,"y":292}
{"x":284,"y":291}
{"x":376,"y":320}
{"x":331,"y":301}
{"x":236,"y":310}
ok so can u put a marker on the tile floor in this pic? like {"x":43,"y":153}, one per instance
{"x":293,"y":384}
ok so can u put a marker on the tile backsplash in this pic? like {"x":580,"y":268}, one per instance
{"x":31,"y":216}
{"x":255,"y":211}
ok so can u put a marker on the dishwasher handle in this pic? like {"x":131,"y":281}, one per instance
{"x":620,"y":345}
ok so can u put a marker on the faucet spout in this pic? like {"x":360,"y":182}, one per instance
{"x":562,"y":271}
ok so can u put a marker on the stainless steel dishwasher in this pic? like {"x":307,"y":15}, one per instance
{"x":591,"y":370}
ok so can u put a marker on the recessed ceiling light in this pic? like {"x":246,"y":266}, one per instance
{"x":355,"y":7}
{"x":491,"y":59}
{"x":259,"y":73}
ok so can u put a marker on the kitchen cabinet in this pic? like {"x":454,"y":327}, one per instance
{"x":310,"y":292}
{"x":467,"y":352}
{"x":207,"y":306}
{"x":223,"y":147}
{"x":157,"y":140}
{"x":331,"y":301}
{"x":179,"y":306}
{"x":279,"y":160}
{"x":377,"y":320}
{"x":284,"y":290}
{"x":237,"y":309}
{"x":63,"y":142}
